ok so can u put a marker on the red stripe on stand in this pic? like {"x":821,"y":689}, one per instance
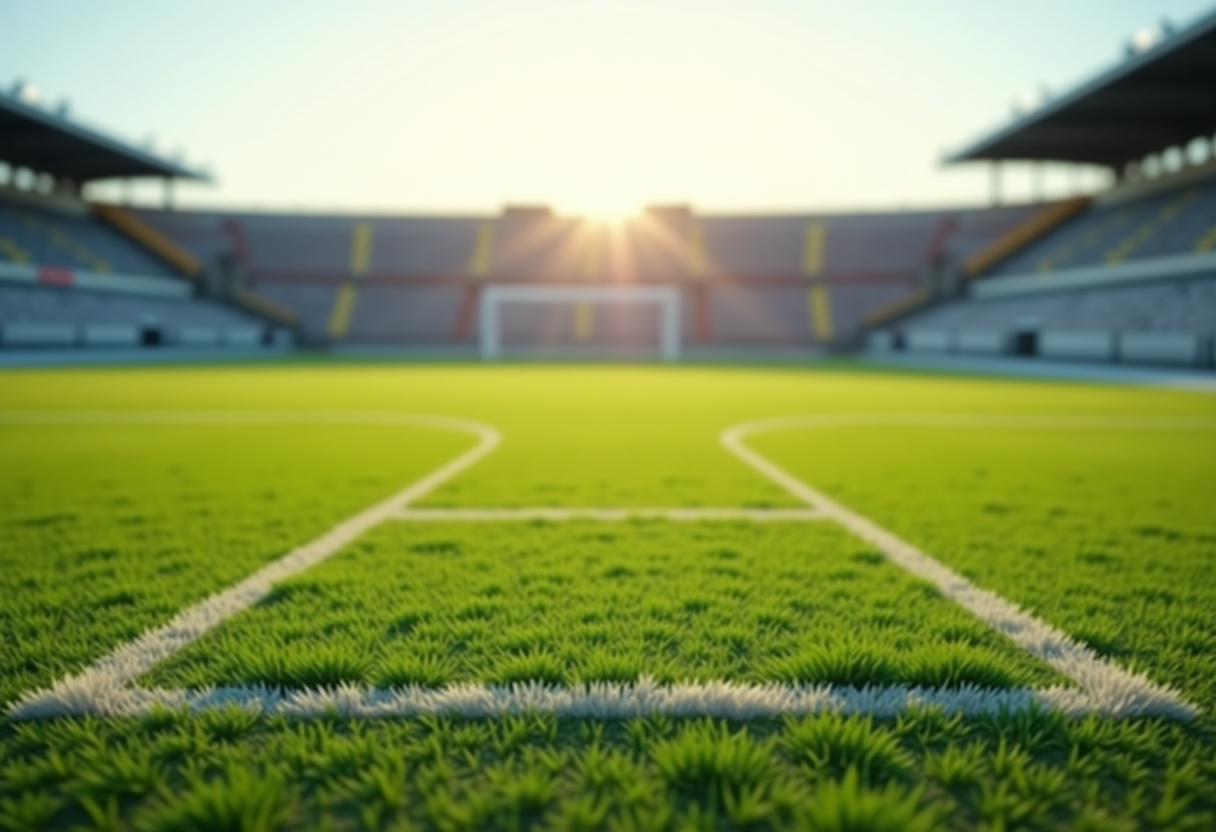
{"x":54,"y":276}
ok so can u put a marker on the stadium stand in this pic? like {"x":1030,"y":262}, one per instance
{"x":1129,"y":276}
{"x":29,"y":234}
{"x":1178,"y":220}
{"x":747,"y":280}
{"x":79,"y":275}
{"x":48,"y":317}
{"x":69,"y":280}
{"x":1123,"y":275}
{"x":1104,"y":324}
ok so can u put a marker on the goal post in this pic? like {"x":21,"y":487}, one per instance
{"x":666,"y":298}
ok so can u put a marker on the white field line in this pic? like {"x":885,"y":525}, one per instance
{"x":497,"y":515}
{"x":1104,"y":686}
{"x":106,"y":687}
{"x":596,"y":700}
{"x":108,"y":679}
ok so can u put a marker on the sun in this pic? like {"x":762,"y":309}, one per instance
{"x":604,"y":208}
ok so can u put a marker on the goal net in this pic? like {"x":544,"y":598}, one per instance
{"x":494,"y":299}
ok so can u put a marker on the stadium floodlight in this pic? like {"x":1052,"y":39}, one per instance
{"x":666,"y":298}
{"x":1145,"y":39}
{"x":27,"y":93}
{"x":1027,"y":102}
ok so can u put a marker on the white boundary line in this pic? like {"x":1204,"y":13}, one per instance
{"x":107,"y":686}
{"x":1103,"y":685}
{"x":498,"y":515}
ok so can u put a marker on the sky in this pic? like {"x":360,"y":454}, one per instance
{"x":589,"y":106}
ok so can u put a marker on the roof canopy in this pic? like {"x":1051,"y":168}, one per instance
{"x":1160,"y":98}
{"x":31,"y":137}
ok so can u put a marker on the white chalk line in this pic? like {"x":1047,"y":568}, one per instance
{"x":108,"y":680}
{"x":1103,"y":686}
{"x":732,"y":700}
{"x":106,"y":687}
{"x":607,"y":515}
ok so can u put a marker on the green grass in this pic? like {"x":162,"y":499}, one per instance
{"x":1110,"y":535}
{"x":107,"y":531}
{"x":571,"y":602}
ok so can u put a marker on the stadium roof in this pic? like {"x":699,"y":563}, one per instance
{"x":46,"y":142}
{"x":1159,"y":98}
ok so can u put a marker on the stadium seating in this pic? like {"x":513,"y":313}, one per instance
{"x":312,"y":302}
{"x":69,"y":280}
{"x":748,"y":280}
{"x":1131,"y":279}
{"x":50,"y":317}
{"x":1127,"y":226}
{"x":33,"y":235}
{"x":1155,"y":323}
{"x":422,"y":315}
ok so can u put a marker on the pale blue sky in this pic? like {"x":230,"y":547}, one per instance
{"x":587,"y":105}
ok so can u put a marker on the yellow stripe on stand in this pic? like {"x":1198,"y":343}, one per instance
{"x":819,"y":305}
{"x":483,"y":252}
{"x":1148,"y":229}
{"x":812,"y":249}
{"x":61,"y":239}
{"x":149,"y":238}
{"x":13,"y":252}
{"x":821,"y":312}
{"x":361,"y":249}
{"x":1208,"y":241}
{"x":344,"y":309}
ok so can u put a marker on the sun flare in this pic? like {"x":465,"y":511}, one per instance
{"x":604,"y":209}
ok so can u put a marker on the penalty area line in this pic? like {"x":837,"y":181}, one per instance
{"x":110,"y":679}
{"x":494,"y":515}
{"x":107,"y":686}
{"x":596,"y":700}
{"x":1107,"y":687}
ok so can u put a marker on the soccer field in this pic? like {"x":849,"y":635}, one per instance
{"x":394,"y":596}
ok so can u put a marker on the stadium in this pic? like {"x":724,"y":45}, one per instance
{"x":897,"y":519}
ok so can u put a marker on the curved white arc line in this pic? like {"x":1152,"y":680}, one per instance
{"x":1111,"y":687}
{"x":110,"y":676}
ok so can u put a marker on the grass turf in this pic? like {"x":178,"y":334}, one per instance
{"x":562,"y":603}
{"x":108,"y":530}
{"x":1110,"y":534}
{"x":1118,"y":557}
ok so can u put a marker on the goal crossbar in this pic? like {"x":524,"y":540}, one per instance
{"x":667,"y":299}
